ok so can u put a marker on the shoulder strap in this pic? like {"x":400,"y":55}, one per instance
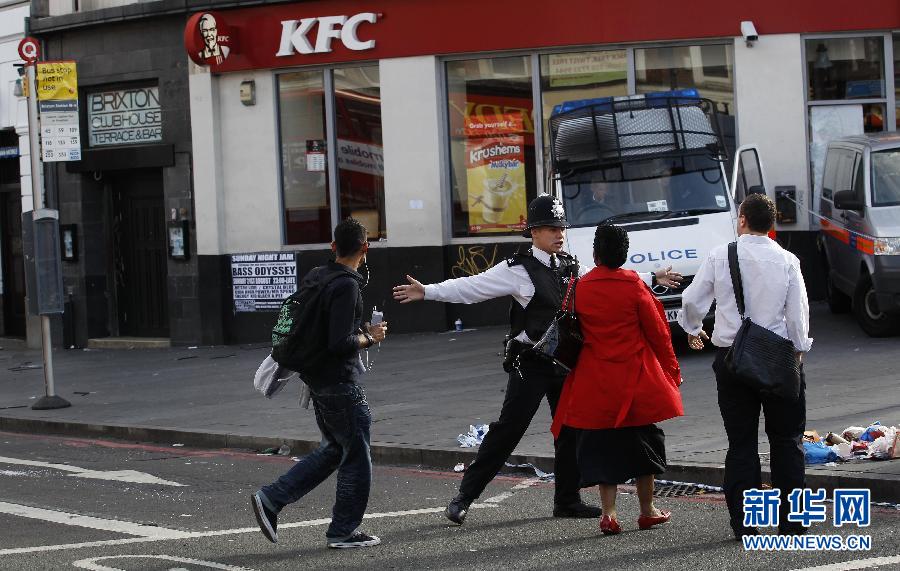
{"x":736,"y":277}
{"x":570,"y":291}
{"x":517,"y":256}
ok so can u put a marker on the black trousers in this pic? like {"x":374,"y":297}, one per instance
{"x":523,"y":396}
{"x":785,"y":422}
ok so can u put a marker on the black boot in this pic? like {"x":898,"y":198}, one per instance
{"x":457,"y":510}
{"x":576,"y":509}
{"x":740,"y":531}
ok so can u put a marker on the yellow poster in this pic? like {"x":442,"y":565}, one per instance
{"x":57,"y":80}
{"x":495,"y":173}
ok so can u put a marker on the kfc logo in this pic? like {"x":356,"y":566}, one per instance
{"x":210,"y":33}
{"x":295,"y":34}
{"x":207,"y":39}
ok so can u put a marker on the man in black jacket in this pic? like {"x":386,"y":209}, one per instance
{"x":342,"y":412}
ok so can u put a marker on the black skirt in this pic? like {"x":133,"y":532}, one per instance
{"x":615,"y":455}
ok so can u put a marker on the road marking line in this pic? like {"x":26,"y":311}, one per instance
{"x":858,"y":564}
{"x":65,"y":546}
{"x":126,"y":527}
{"x":201,"y":534}
{"x":130,"y":476}
{"x":506,"y":495}
{"x":92,"y":565}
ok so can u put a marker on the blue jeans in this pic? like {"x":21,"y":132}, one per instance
{"x":343,"y":416}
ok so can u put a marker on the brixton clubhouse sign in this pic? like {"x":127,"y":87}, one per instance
{"x":124,"y":117}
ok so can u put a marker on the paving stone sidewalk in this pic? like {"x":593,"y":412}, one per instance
{"x":424,"y":390}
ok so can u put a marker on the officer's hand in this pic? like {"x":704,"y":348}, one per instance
{"x":666,"y":277}
{"x":696,"y":341}
{"x":415,"y":291}
{"x":377,"y":331}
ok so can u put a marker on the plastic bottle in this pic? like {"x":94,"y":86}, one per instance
{"x":458,"y":324}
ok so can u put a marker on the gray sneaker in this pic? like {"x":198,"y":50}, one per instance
{"x":356,"y":539}
{"x":267,"y":520}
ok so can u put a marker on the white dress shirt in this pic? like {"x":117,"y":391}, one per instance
{"x":774,"y":293}
{"x":499,"y":281}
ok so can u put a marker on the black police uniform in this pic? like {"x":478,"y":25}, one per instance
{"x":530,"y":380}
{"x":529,"y":383}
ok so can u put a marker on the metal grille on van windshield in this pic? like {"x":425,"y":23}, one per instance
{"x":598,"y":133}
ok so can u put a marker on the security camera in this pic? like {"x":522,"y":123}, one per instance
{"x":748,"y":30}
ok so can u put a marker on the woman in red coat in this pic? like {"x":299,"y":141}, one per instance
{"x":626,"y":379}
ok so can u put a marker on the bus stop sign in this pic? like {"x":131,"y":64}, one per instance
{"x":29,"y":50}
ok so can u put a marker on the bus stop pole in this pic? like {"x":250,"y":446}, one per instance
{"x":50,"y":400}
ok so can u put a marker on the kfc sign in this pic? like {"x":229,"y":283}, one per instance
{"x":297,"y":36}
{"x":208,"y":39}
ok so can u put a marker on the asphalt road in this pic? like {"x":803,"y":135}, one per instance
{"x":85,"y":504}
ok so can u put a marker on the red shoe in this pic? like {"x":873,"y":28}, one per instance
{"x":609,"y":526}
{"x":646,"y":522}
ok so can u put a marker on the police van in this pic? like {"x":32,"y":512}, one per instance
{"x":859,"y":216}
{"x":653,"y":164}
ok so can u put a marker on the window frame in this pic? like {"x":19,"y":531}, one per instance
{"x":334,"y":187}
{"x":446,"y":170}
{"x":889,"y":100}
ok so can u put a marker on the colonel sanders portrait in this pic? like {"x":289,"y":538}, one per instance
{"x":212,"y":51}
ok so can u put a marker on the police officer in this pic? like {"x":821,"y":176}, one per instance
{"x":537,"y":280}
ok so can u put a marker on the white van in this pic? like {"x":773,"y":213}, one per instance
{"x":859,"y":214}
{"x":654,"y":165}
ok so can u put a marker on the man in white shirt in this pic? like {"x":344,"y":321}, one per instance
{"x":537,"y":280}
{"x":774,"y":298}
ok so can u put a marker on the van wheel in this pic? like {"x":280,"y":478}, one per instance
{"x":865,"y":306}
{"x":838,"y":301}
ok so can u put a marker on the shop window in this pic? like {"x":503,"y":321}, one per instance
{"x":492,"y":157}
{"x":845,"y":68}
{"x":360,"y":152}
{"x":312,"y":155}
{"x":707,"y":68}
{"x":581,"y":75}
{"x":305,"y":185}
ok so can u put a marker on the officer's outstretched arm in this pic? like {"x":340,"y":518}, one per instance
{"x":498,"y":281}
{"x":414,"y":291}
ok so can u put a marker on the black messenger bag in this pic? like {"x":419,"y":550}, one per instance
{"x":563,"y":340}
{"x":759,"y":358}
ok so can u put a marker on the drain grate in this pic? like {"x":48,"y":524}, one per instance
{"x":672,"y":489}
{"x":676,"y":490}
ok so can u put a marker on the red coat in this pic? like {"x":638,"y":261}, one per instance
{"x":627,"y":373}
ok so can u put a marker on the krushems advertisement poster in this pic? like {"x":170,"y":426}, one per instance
{"x":495,"y":173}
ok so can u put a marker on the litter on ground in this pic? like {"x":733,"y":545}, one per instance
{"x":873,"y":442}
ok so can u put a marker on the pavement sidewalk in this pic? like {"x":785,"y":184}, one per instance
{"x":424,"y":390}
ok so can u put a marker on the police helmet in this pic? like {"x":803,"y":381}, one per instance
{"x":545,"y":210}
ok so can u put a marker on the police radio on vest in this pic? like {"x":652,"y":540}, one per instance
{"x":294,"y":34}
